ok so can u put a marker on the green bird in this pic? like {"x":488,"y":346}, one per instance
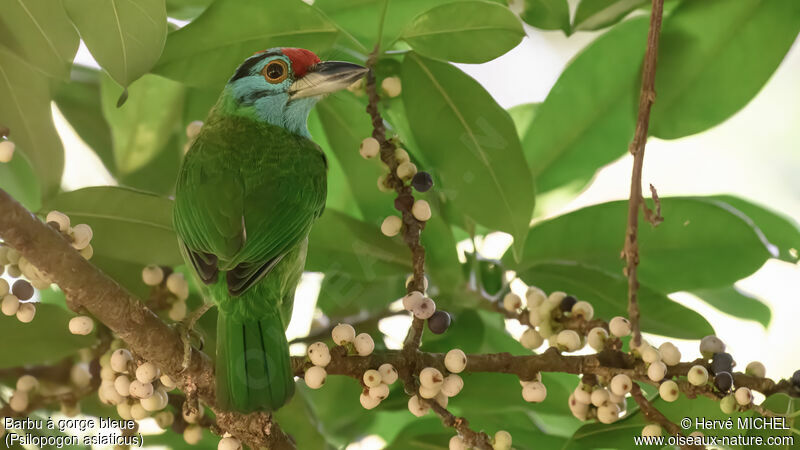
{"x":249,"y":189}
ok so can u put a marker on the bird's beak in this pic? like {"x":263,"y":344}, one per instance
{"x":326,"y":77}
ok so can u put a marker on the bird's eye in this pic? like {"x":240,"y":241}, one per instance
{"x":276,"y":71}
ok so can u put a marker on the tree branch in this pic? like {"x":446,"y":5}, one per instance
{"x":148,"y":336}
{"x":636,"y":201}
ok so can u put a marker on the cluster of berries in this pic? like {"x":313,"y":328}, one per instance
{"x":16,"y":300}
{"x":175,"y":284}
{"x":28,"y":387}
{"x":433,"y":385}
{"x":424,"y":308}
{"x":80,"y":235}
{"x":501,"y":441}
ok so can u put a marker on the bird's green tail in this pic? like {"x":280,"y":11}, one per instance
{"x":253,"y":366}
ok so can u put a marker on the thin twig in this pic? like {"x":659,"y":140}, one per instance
{"x":652,"y":414}
{"x":646,"y":99}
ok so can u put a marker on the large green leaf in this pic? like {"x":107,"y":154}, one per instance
{"x":779,"y":437}
{"x":730,"y":300}
{"x":335,"y":410}
{"x":79,"y":101}
{"x":144,"y":124}
{"x":701,"y":243}
{"x":608,"y":294}
{"x":472,"y":146}
{"x":473,"y":31}
{"x":547,"y":14}
{"x":781,"y":231}
{"x":125,"y":36}
{"x":40,"y":32}
{"x":714,"y":57}
{"x":25,"y":110}
{"x":207,"y":51}
{"x":186,"y":9}
{"x":44,"y":340}
{"x":128,"y":225}
{"x":342,"y":295}
{"x":588,"y":119}
{"x":17,"y":178}
{"x":596,"y":14}
{"x":341,"y":244}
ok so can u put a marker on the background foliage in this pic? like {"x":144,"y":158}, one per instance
{"x":489,"y":166}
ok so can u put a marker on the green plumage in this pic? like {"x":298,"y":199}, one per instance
{"x":247,"y":195}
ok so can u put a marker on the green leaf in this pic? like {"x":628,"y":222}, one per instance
{"x":587,"y":119}
{"x":523,"y":116}
{"x":79,"y":101}
{"x":339,"y":243}
{"x":608,"y":294}
{"x":423,"y":434}
{"x":25,"y":110}
{"x":342,"y":295}
{"x":472,"y":146}
{"x":144,"y":124}
{"x":338,"y":415}
{"x":731,"y":300}
{"x":547,"y":14}
{"x":230,"y":31}
{"x":784,"y":405}
{"x":712,"y":246}
{"x":40,"y":32}
{"x":186,"y":9}
{"x":159,"y":175}
{"x":781,"y":231}
{"x":128,"y":225}
{"x":346,"y":124}
{"x":466,"y":32}
{"x":125,"y":37}
{"x":295,"y":418}
{"x":45,"y":340}
{"x":713,"y":59}
{"x":17,"y":178}
{"x":596,"y":14}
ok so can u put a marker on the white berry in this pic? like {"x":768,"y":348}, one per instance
{"x":167,"y":381}
{"x":138,"y":412}
{"x":698,"y":375}
{"x":583,"y":309}
{"x":120,"y":359}
{"x":406,"y":170}
{"x":343,"y":333}
{"x":512,"y":302}
{"x":621,"y":384}
{"x":60,"y":218}
{"x":534,"y":392}
{"x":425,"y":309}
{"x":578,"y":409}
{"x":569,"y":340}
{"x":229,"y":443}
{"x":428,"y":392}
{"x":391,"y":226}
{"x":372,"y":378}
{"x":452,"y":385}
{"x":10,"y":304}
{"x":177,"y":284}
{"x":728,"y":404}
{"x":193,"y":129}
{"x":81,"y":235}
{"x":80,"y":375}
{"x":457,"y":443}
{"x":652,"y":430}
{"x":364,"y":344}
{"x":619,"y":326}
{"x":382,"y":186}
{"x":608,"y":413}
{"x":535,"y":316}
{"x":582,"y":395}
{"x":122,"y":384}
{"x":152,"y":275}
{"x":369,"y":148}
{"x":6,"y":151}
{"x":710,"y":345}
{"x":379,"y":392}
{"x":421,"y":210}
{"x":416,"y":406}
{"x":27,"y":383}
{"x":26,"y":312}
{"x":756,"y":369}
{"x":431,"y":377}
{"x":178,"y":311}
{"x":155,"y":402}
{"x":743,"y":396}
{"x":81,"y":325}
{"x":670,"y":354}
{"x":657,"y":371}
{"x":141,"y":390}
{"x":455,"y":361}
{"x":18,"y":401}
{"x":388,"y":373}
{"x":124,"y":411}
{"x":319,"y":354}
{"x":391,"y":86}
{"x":367,"y":401}
{"x":600,"y":397}
{"x":315,"y":377}
{"x":502,"y":440}
{"x":193,"y":434}
{"x":534,"y":296}
{"x":650,"y":355}
{"x":531,"y":339}
{"x":669,"y":391}
{"x":147,"y":372}
{"x":597,"y":338}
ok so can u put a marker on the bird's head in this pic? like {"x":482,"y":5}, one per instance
{"x":281,"y":85}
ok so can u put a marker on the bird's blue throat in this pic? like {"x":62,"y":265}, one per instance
{"x":246,"y":97}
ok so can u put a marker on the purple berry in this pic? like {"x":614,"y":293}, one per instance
{"x":567,"y":303}
{"x":22,"y":290}
{"x":796,"y":379}
{"x":723,"y":381}
{"x":439,"y":322}
{"x":721,"y":362}
{"x":422,"y":181}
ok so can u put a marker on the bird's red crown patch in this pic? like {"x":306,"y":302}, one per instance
{"x":301,"y":59}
